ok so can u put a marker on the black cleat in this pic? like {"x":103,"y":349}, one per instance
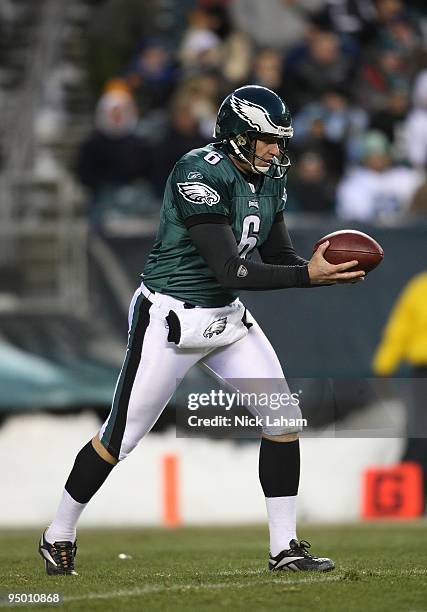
{"x":58,"y":557}
{"x":297,"y":559}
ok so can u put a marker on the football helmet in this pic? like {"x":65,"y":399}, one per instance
{"x":249,"y":113}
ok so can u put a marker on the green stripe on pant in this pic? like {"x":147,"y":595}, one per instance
{"x":114,"y":431}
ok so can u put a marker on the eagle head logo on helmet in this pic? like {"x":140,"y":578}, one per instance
{"x":253,"y":111}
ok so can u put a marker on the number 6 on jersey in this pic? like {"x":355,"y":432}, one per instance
{"x":249,"y":237}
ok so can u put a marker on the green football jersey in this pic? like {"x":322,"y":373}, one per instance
{"x":206,"y":181}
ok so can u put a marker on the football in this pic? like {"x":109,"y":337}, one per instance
{"x":346,"y":245}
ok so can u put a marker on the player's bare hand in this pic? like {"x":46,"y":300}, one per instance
{"x":322,"y":272}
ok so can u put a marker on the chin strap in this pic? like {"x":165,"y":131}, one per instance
{"x":263,"y":169}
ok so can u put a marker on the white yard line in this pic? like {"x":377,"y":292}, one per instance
{"x":136,"y":592}
{"x":150,"y":589}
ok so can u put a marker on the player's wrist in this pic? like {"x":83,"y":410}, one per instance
{"x":313,"y":273}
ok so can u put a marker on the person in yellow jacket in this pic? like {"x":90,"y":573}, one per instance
{"x":405,"y":339}
{"x":405,"y":335}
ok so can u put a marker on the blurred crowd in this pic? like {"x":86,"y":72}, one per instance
{"x":353,"y":72}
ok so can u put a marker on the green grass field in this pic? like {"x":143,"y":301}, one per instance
{"x":380,"y":567}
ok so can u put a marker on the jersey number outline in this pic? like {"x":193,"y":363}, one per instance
{"x":249,"y":239}
{"x":213,"y":158}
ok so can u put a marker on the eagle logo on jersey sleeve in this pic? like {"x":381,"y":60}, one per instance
{"x":198,"y":193}
{"x":258,"y":118}
{"x":217,"y":327}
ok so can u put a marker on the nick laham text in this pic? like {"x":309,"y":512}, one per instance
{"x":244,"y":421}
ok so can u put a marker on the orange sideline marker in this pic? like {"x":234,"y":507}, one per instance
{"x":171,"y":514}
{"x":393,"y":492}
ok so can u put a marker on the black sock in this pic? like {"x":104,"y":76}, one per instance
{"x":279,"y":468}
{"x":88,"y":474}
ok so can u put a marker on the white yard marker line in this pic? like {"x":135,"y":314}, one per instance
{"x":149,"y":589}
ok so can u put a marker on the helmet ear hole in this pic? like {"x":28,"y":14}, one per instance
{"x":241,"y":140}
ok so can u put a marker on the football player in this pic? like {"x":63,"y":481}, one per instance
{"x":221,"y":203}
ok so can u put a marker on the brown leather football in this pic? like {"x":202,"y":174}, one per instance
{"x":346,"y":245}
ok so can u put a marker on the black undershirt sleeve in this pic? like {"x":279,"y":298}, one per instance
{"x":215,"y":241}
